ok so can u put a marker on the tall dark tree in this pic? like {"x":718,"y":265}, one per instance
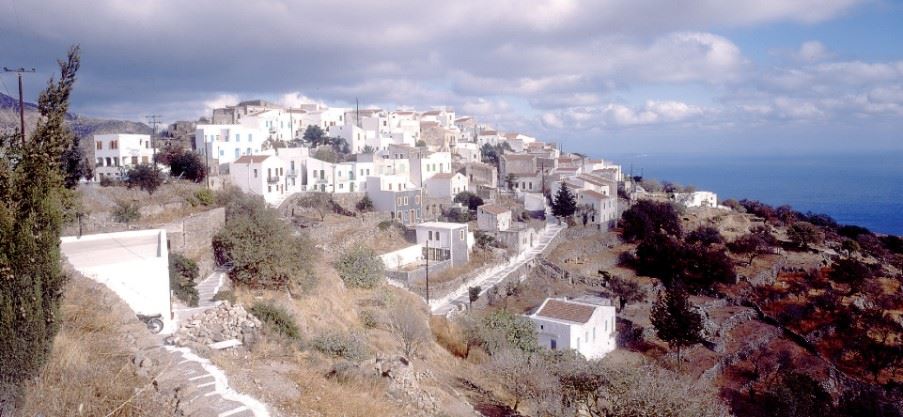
{"x":751,"y":245}
{"x":675,"y":319}
{"x":75,"y":163}
{"x":33,"y":198}
{"x":315,"y":136}
{"x":188,"y":165}
{"x":565,"y":202}
{"x":646,"y":218}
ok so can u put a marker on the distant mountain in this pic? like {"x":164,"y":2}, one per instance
{"x":82,"y":126}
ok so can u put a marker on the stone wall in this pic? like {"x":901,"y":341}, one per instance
{"x":192,"y":235}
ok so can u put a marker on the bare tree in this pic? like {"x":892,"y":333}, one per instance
{"x":408,"y":328}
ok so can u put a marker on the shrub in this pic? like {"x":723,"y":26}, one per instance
{"x":469,"y":199}
{"x":205,"y":197}
{"x":705,"y":236}
{"x":225,"y":295}
{"x":502,"y":330}
{"x":804,"y":234}
{"x":646,"y":218}
{"x":364,"y":205}
{"x":457,"y":215}
{"x":182,"y":275}
{"x":145,"y":177}
{"x":126,"y":211}
{"x":368,"y":318}
{"x":106,"y":181}
{"x":276,"y":319}
{"x":260,"y":248}
{"x":360,"y":267}
{"x":188,"y":165}
{"x":408,"y":328}
{"x":349,"y":346}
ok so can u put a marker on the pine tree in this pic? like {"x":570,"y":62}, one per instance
{"x":33,"y":199}
{"x":565,"y":202}
{"x":675,"y":320}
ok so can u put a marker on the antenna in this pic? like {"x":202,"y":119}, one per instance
{"x":19,"y":71}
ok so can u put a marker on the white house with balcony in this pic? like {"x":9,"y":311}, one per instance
{"x":117,"y":153}
{"x":445,"y":241}
{"x":340,"y":177}
{"x":586,"y":326}
{"x":264,"y":175}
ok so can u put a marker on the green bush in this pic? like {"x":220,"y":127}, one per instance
{"x":205,"y":197}
{"x":349,"y":346}
{"x":225,"y":295}
{"x":276,"y":319}
{"x":360,"y":267}
{"x":126,"y":211}
{"x":260,"y":247}
{"x":183,"y":273}
{"x":106,"y":181}
{"x":364,"y":205}
{"x":145,"y":177}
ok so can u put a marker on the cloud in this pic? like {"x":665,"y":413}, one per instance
{"x":812,"y":51}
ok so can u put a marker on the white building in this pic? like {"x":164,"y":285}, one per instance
{"x":263,"y":175}
{"x":493,"y":218}
{"x":226,"y":143}
{"x":446,"y":241}
{"x":134,"y":264}
{"x":340,"y":177}
{"x":697,"y":199}
{"x":469,"y":152}
{"x":116,"y":153}
{"x":585,"y":327}
{"x":446,"y":185}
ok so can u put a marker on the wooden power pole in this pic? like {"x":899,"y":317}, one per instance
{"x":19,"y":71}
{"x":154,"y":120}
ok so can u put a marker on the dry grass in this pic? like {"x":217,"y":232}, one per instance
{"x":90,"y":372}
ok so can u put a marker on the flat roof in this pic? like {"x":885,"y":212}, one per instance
{"x":441,"y":225}
{"x":112,"y":248}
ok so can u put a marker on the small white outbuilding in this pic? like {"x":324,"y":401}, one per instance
{"x":583,"y":326}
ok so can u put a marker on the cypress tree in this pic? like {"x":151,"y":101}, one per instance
{"x":33,"y":199}
{"x":675,"y":320}
{"x":565,"y":202}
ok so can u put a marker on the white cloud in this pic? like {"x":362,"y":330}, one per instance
{"x":812,"y":51}
{"x":551,"y":120}
{"x":219,"y":101}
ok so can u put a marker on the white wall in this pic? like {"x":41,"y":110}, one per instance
{"x":404,"y":256}
{"x":134,"y":264}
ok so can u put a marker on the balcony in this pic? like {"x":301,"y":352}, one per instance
{"x":292,"y":174}
{"x":273,"y":180}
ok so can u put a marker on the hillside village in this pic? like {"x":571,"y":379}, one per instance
{"x":318,"y":261}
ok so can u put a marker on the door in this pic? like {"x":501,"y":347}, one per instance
{"x":553,"y":344}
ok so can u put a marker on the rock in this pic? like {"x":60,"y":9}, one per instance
{"x":221,"y":323}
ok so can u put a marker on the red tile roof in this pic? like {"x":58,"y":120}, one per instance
{"x":566,"y":310}
{"x":251,"y":159}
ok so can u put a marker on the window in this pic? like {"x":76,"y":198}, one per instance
{"x":237,"y":138}
{"x":99,"y":145}
{"x":221,"y":152}
{"x":430,"y":235}
{"x":247,"y":151}
{"x":237,"y":153}
{"x":405,"y":200}
{"x":269,"y":172}
{"x":553,"y":344}
{"x":114,"y":144}
{"x":461,"y":234}
{"x":249,"y":138}
{"x":269,"y":188}
{"x":255,"y":172}
{"x":134,"y":160}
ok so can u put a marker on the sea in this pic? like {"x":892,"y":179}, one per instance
{"x":864,"y":189}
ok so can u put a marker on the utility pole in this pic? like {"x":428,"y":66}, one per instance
{"x":19,"y":71}
{"x":427,"y":273}
{"x":153,"y":119}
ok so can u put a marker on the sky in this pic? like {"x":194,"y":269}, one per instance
{"x":697,"y":76}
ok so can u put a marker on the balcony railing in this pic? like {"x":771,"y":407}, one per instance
{"x":273,"y":180}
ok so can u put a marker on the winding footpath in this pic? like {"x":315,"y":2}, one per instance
{"x":205,"y":390}
{"x":458,"y":299}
